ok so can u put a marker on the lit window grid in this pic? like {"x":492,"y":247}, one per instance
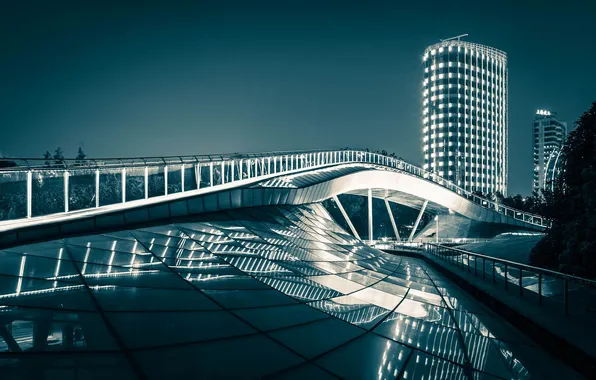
{"x":490,"y":105}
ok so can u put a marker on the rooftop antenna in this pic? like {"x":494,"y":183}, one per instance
{"x":458,"y":37}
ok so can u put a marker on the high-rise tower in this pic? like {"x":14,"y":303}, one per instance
{"x":549,"y":136}
{"x":464,"y":115}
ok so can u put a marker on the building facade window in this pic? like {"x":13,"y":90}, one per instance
{"x":464,"y":97}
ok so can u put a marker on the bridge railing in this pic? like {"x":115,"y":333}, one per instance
{"x":32,"y":187}
{"x":562,"y":293}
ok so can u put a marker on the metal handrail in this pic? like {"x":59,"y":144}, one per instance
{"x":526,"y":267}
{"x":584,"y":294}
{"x":316,"y":158}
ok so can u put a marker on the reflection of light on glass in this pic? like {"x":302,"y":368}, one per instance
{"x":86,"y":257}
{"x":58,"y":266}
{"x":412,"y":308}
{"x":21,"y":271}
{"x":134,"y":255}
{"x":112,"y":256}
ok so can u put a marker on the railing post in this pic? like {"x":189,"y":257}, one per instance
{"x":66,"y":191}
{"x":29,"y":192}
{"x":248,"y":166}
{"x":223,"y":172}
{"x":146,"y":182}
{"x":182,"y":177}
{"x":96,"y":187}
{"x":539,"y":288}
{"x":165,"y":179}
{"x":198,"y":176}
{"x":123,"y":185}
{"x":274,"y":165}
{"x":475,"y":271}
{"x":566,"y":296}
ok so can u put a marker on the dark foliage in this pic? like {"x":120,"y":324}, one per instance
{"x":570,"y":245}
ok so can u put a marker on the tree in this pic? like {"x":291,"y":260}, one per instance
{"x":570,"y":243}
{"x":48,"y":157}
{"x":81,"y":155}
{"x":58,"y":156}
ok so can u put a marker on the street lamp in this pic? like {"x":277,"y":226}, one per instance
{"x":437,"y":234}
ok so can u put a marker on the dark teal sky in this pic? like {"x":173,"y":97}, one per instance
{"x":223,"y":76}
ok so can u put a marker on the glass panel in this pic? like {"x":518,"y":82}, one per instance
{"x":139,"y":330}
{"x":228,"y":171}
{"x":205,"y":175}
{"x":156,"y":181}
{"x":190,"y":177}
{"x":174,"y":179}
{"x":63,"y":331}
{"x":135,"y":183}
{"x":47,"y":192}
{"x":81,"y":189}
{"x":110,"y":186}
{"x":217,"y":174}
{"x":367,"y":357}
{"x":237,"y":168}
{"x":13,"y":195}
{"x":245,"y":169}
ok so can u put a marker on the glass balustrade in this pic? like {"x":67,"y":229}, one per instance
{"x":35,"y":187}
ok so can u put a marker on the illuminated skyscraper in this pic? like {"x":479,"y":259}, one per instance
{"x":464,"y":114}
{"x":549,"y":136}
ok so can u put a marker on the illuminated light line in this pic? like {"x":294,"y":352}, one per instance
{"x":58,"y":266}
{"x":21,"y":271}
{"x":86,"y":257}
{"x":112,"y":257}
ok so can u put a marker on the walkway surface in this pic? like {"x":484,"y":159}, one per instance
{"x":276,"y":292}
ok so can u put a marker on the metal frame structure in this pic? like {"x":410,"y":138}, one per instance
{"x":209,"y":171}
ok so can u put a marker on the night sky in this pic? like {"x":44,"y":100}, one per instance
{"x":245,"y":76}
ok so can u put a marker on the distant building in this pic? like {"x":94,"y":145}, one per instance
{"x":464,"y":115}
{"x":550,"y":134}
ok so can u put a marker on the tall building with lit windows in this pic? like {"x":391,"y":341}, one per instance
{"x":464,"y":114}
{"x":550,"y":134}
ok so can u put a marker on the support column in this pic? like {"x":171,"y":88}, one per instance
{"x":123,"y":185}
{"x":165,"y":180}
{"x":417,"y":221}
{"x":343,"y":212}
{"x":29,"y":193}
{"x":392,"y":219}
{"x":66,"y":196}
{"x":96,"y":187}
{"x":370,"y":216}
{"x":12,"y":344}
{"x":146,"y":174}
{"x":182,"y":177}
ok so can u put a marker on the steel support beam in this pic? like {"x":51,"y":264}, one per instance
{"x":343,"y":212}
{"x":392,"y":219}
{"x":370,"y":216}
{"x":12,"y":344}
{"x":417,"y":221}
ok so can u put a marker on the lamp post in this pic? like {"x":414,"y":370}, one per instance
{"x":437,"y":234}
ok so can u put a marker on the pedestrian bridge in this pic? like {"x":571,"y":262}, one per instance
{"x":42,"y":199}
